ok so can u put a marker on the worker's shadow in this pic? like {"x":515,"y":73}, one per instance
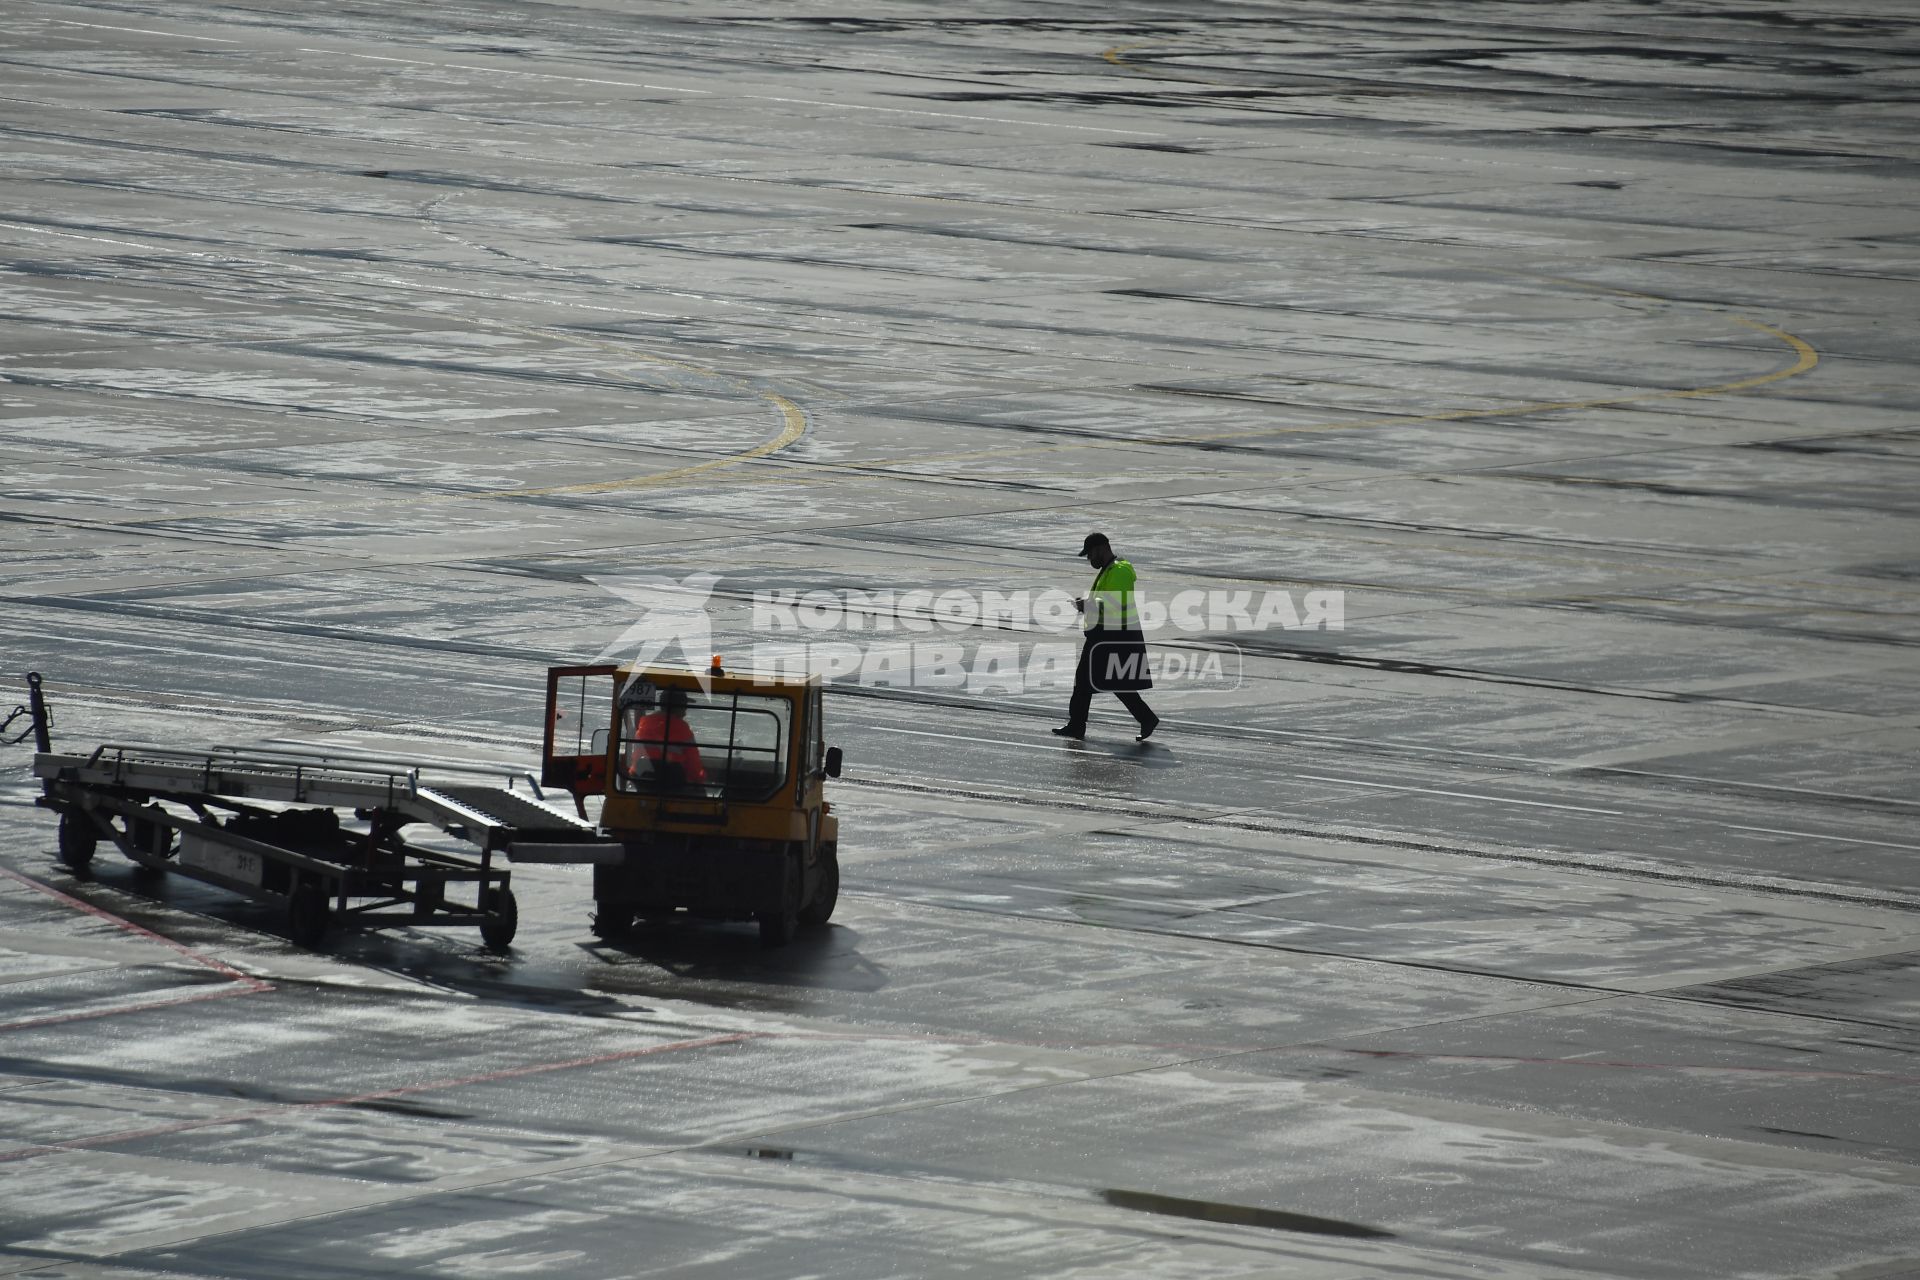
{"x":1141,"y":755}
{"x":703,"y":953}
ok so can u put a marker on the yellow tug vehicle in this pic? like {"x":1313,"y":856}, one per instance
{"x":713,"y":785}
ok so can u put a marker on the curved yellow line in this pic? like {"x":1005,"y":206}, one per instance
{"x":1804,"y":349}
{"x":1807,"y":358}
{"x":796,"y":426}
{"x":793,"y":417}
{"x":1113,"y":55}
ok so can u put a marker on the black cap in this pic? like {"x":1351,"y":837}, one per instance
{"x":1093,"y":540}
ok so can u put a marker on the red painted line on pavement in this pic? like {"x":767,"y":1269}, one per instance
{"x":114,"y":1011}
{"x":247,"y":984}
{"x":538,"y":1068}
{"x":199,"y":958}
{"x":290,"y":1108}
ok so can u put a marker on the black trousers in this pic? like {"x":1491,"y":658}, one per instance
{"x":1083,"y":691}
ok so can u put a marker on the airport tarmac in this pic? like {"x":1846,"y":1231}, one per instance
{"x":1554,"y":918}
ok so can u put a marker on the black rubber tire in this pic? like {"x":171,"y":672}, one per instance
{"x":826,"y":892}
{"x":503,"y":918}
{"x":308,"y":916}
{"x":612,"y":922}
{"x":778,"y":927}
{"x":79,"y":839}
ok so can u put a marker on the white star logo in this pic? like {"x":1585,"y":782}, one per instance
{"x":671,"y":614}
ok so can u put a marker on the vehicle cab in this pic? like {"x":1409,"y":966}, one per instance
{"x":714,"y":784}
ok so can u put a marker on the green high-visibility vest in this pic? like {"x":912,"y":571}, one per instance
{"x":1110,"y":604}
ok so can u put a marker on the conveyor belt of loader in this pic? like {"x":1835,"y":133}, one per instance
{"x":269,"y":825}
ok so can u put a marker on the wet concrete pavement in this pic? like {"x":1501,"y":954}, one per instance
{"x":1556,"y":917}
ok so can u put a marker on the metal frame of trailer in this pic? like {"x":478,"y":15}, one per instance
{"x":267,"y":825}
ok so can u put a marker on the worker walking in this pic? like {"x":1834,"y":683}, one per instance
{"x":1113,"y":658}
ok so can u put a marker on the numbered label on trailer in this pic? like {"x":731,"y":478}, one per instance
{"x":205,"y":855}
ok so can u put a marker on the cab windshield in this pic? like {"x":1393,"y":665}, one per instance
{"x":720,"y":746}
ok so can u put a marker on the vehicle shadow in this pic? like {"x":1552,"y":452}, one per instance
{"x":701,"y":953}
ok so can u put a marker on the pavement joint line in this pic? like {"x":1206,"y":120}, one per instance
{"x":618,"y":1155}
{"x":1093,"y":1077}
{"x":1141,"y":754}
{"x":145,"y":31}
{"x":146,"y":1006}
{"x":1255,"y":944}
{"x":1551,"y":598}
{"x":400,"y":1091}
{"x":762,"y":97}
{"x":335,"y":723}
{"x":1751,"y":786}
{"x":104,"y":966}
{"x":794,"y":418}
{"x":1598,"y":865}
{"x":1466,"y":795}
{"x":1908,"y":945}
{"x":1606,"y":1064}
{"x":1807,"y":359}
{"x":1222,"y":1054}
{"x":1468,"y":596}
{"x":1597,"y":992}
{"x":1201,"y":910}
{"x":1546,"y":599}
{"x":1208,"y":1054}
{"x":1447,"y":542}
{"x":1340,"y":84}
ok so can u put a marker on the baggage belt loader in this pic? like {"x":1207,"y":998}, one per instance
{"x":268,"y":825}
{"x":712,"y":784}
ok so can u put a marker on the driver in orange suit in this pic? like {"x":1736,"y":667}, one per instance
{"x":668,"y":740}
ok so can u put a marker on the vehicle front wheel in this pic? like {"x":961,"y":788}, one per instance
{"x":826,"y":891}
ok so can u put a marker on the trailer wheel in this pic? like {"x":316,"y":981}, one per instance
{"x":826,"y":892}
{"x":503,"y":918}
{"x":78,"y":839}
{"x":307,"y":915}
{"x":777,"y":927}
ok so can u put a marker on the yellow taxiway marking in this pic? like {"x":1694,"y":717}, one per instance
{"x":796,"y":426}
{"x":1805,"y":359}
{"x":793,"y":419}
